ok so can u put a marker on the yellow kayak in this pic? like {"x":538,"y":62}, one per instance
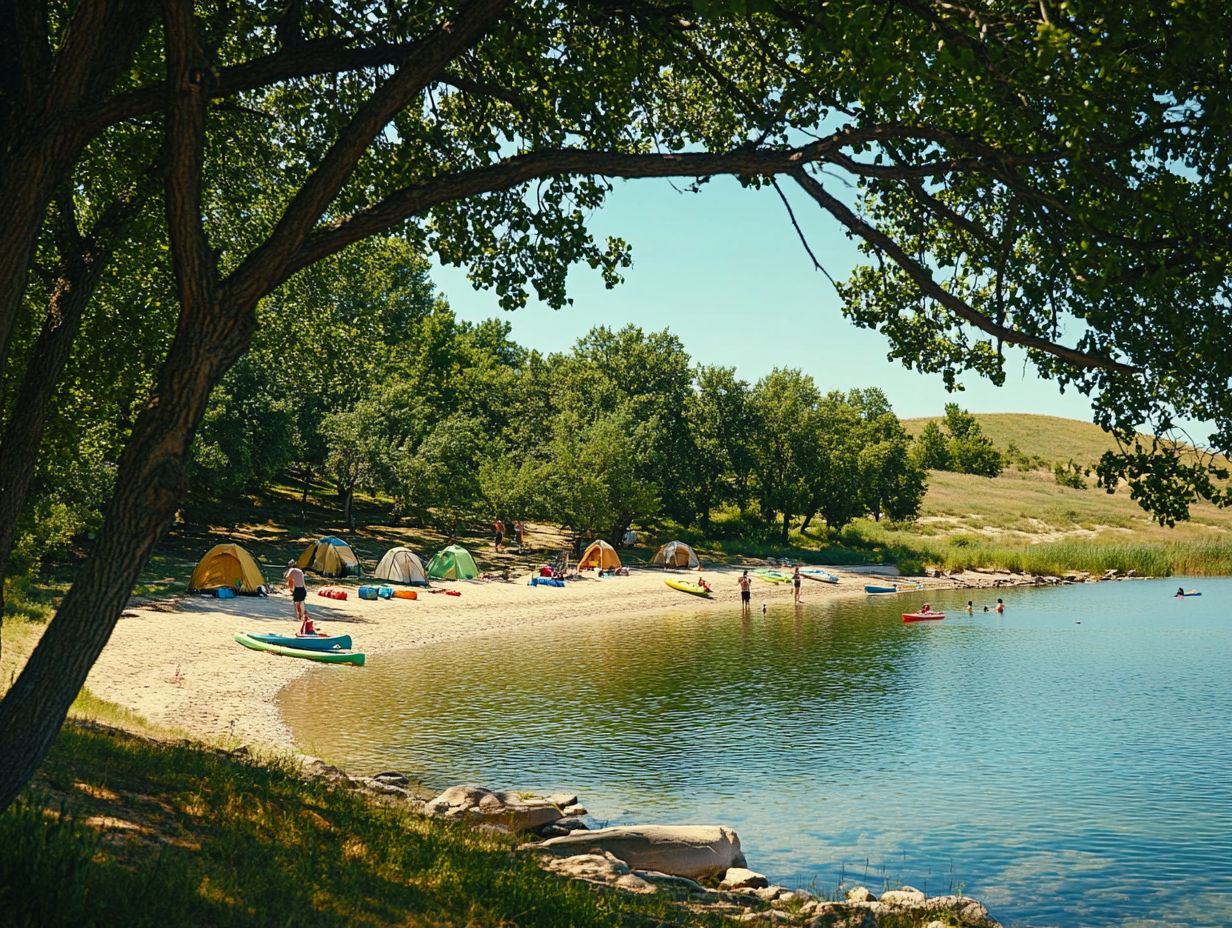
{"x":685,"y":587}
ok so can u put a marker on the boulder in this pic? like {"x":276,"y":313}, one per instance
{"x":743,"y":878}
{"x":506,"y":808}
{"x":860,"y":894}
{"x":907,"y":896}
{"x":679,"y":850}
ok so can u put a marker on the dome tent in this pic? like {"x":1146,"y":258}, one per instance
{"x":452,"y":563}
{"x":675,"y":554}
{"x":601,"y":555}
{"x":330,"y":557}
{"x":401,"y":565}
{"x":230,"y":566}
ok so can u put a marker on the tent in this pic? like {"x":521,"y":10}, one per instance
{"x":600,"y":554}
{"x":676,"y":554}
{"x":330,"y":557}
{"x":400,"y":565}
{"x":452,"y":563}
{"x":227,"y":565}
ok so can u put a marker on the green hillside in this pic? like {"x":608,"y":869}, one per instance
{"x":1049,"y":437}
{"x":1024,"y":519}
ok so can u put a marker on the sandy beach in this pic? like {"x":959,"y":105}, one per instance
{"x":174,"y":661}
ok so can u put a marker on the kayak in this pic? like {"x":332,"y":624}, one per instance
{"x":922,"y":616}
{"x":771,"y":576}
{"x":685,"y":587}
{"x":324,"y":657}
{"x":881,"y":588}
{"x":1188,"y":593}
{"x":817,"y":573}
{"x":305,"y":642}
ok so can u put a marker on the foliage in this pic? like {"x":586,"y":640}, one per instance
{"x":1071,"y":475}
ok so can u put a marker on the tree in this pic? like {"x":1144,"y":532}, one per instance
{"x":930,"y":451}
{"x":721,"y":430}
{"x":787,"y":447}
{"x":969,"y":450}
{"x":998,"y":204}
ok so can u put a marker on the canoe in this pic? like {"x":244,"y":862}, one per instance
{"x":685,"y":587}
{"x":922,"y":616}
{"x":817,"y":573}
{"x":305,"y":642}
{"x":324,"y":657}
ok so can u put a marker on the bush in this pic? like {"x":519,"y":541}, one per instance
{"x":1071,"y":475}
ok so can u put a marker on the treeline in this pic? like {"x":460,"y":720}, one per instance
{"x":361,"y":376}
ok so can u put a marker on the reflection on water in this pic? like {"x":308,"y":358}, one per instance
{"x":1068,"y":762}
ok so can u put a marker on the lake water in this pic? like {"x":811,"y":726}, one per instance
{"x":1068,"y":763}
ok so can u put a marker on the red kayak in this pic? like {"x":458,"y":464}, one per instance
{"x":922,"y":616}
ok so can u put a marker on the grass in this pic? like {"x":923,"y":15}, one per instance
{"x":118,"y":829}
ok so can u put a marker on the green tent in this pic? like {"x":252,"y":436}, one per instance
{"x":452,"y":563}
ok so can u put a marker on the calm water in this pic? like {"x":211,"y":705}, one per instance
{"x":1069,"y":763}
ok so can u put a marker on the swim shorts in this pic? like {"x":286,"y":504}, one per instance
{"x":299,"y":594}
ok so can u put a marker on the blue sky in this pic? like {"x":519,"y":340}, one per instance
{"x":725,"y":272}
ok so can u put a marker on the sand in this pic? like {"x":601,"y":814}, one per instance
{"x":174,"y":661}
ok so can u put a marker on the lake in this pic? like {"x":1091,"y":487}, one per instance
{"x":1068,"y":762}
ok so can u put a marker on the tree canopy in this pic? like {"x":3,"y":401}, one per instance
{"x":1053,"y":176}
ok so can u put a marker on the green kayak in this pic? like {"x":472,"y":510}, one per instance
{"x":324,"y":657}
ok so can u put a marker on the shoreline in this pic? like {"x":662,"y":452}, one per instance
{"x":174,"y":663}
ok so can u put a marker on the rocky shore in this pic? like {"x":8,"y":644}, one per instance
{"x":698,"y":867}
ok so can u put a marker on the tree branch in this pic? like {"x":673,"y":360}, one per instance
{"x":924,"y":280}
{"x":423,"y":65}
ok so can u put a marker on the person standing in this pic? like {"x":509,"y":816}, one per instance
{"x":519,"y":534}
{"x":1000,"y":605}
{"x":795,"y":586}
{"x":498,"y":535}
{"x":745,"y":591}
{"x":298,"y":589}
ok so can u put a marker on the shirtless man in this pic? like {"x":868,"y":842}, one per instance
{"x":299,"y":592}
{"x":745,"y":583}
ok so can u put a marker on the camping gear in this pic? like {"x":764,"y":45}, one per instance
{"x":546,"y":581}
{"x":224,"y":592}
{"x":404,"y":594}
{"x":686,"y":587}
{"x":599,"y":554}
{"x":675,"y":554}
{"x":330,"y":557}
{"x":452,"y":563}
{"x":332,"y":592}
{"x":324,"y":657}
{"x":227,"y":566}
{"x":922,"y":616}
{"x":385,"y":592}
{"x":401,"y":565}
{"x":317,"y":642}
{"x":368,"y":592}
{"x":817,"y":573}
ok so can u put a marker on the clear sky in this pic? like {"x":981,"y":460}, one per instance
{"x":724,"y":271}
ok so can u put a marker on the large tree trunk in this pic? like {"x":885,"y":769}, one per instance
{"x":149,"y":489}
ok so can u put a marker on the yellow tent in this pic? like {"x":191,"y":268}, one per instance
{"x":330,"y":557}
{"x":227,"y":565}
{"x":600,"y":554}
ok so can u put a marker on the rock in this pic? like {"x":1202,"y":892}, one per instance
{"x":573,"y":810}
{"x":316,"y":769}
{"x":743,"y":878}
{"x":907,"y":896}
{"x":679,"y":850}
{"x":380,"y":787}
{"x":769,"y":917}
{"x":668,"y":881}
{"x":564,"y":827}
{"x":633,"y":883}
{"x":507,"y":808}
{"x":392,"y":777}
{"x":860,"y":894}
{"x":594,"y":867}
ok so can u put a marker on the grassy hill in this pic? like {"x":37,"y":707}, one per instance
{"x":1024,"y":518}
